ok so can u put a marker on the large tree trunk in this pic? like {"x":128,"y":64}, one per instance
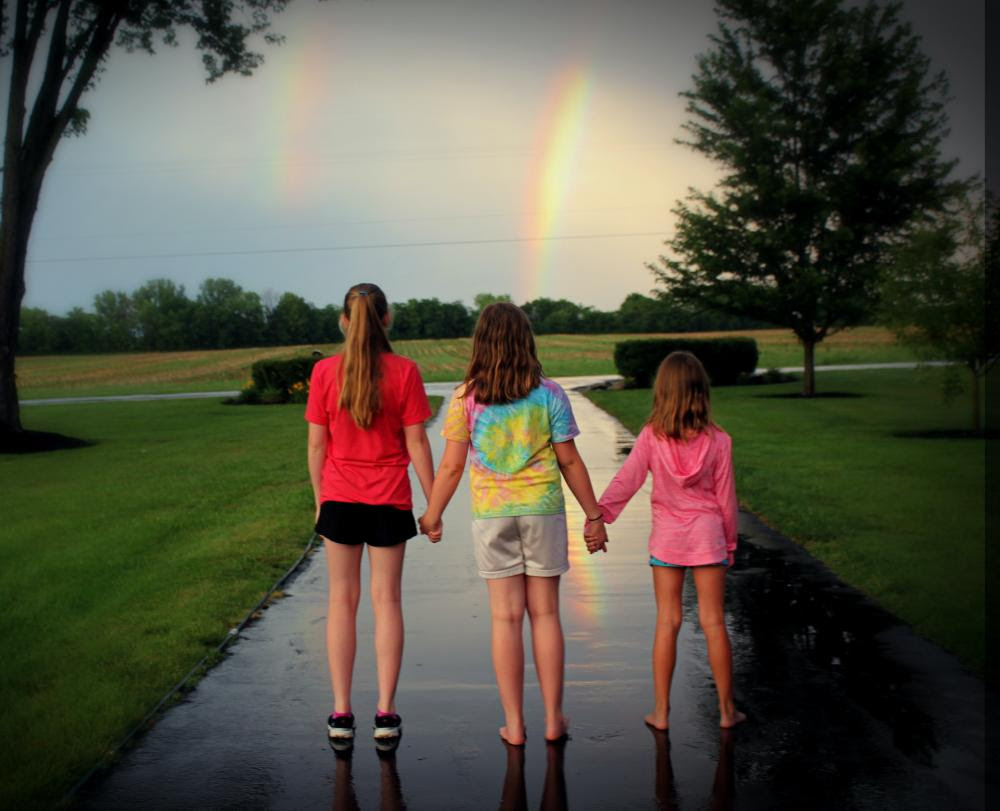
{"x":18,"y":216}
{"x":12,"y":270}
{"x":21,"y":192}
{"x":809,"y":368}
{"x":11,"y":293}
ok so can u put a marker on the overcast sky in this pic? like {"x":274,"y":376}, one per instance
{"x":440,"y":149}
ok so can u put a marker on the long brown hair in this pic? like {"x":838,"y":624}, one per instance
{"x":504,"y":366}
{"x":681,"y":400}
{"x":365,"y":309}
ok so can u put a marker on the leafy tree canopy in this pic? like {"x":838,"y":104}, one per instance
{"x":827,"y":122}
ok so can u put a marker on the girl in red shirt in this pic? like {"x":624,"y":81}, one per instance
{"x":366,"y":414}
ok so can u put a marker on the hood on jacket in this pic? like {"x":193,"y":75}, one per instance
{"x":685,"y":461}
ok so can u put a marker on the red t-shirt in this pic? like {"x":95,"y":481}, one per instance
{"x":368,"y":465}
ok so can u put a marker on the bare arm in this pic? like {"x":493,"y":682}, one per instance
{"x":725,"y":493}
{"x":449,"y":474}
{"x":419,"y":448}
{"x":575,"y":473}
{"x":628,"y":480}
{"x":316,"y":453}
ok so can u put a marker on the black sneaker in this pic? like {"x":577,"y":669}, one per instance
{"x":387,"y":729}
{"x":341,"y":729}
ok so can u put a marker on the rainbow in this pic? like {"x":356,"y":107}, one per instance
{"x":586,"y":572}
{"x":303,"y":81}
{"x":548,"y":186}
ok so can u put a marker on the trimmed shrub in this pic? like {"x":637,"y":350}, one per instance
{"x":282,"y":374}
{"x":725,"y":359}
{"x":273,"y":397}
{"x":277,"y":381}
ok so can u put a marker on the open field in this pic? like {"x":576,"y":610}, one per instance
{"x":902,"y":518}
{"x":561,"y":355}
{"x":125,"y":562}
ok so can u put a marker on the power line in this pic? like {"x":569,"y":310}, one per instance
{"x":306,"y":226}
{"x":341,"y":159}
{"x":335,"y":248}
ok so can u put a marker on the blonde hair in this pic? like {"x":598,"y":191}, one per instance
{"x":365,"y":310}
{"x":681,"y":399}
{"x":504,"y":366}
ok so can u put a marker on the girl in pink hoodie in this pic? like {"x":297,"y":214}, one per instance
{"x":694,"y":521}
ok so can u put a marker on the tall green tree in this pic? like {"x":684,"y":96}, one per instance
{"x":38,"y":331}
{"x":226,"y":315}
{"x":57,"y":50}
{"x":293,"y":321}
{"x":482,"y":300}
{"x":77,"y":331}
{"x":116,"y":323}
{"x":827,"y":122}
{"x":938,"y":297}
{"x":164,"y":315}
{"x":430,"y":318}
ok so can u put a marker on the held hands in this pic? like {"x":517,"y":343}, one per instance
{"x":433,"y":530}
{"x":596,"y":535}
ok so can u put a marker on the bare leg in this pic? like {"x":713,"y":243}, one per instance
{"x":387,"y":605}
{"x":711,"y":584}
{"x":668,"y":584}
{"x":507,"y":602}
{"x":542,"y":597}
{"x":343,"y":566}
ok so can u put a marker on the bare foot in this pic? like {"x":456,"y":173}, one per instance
{"x":657,"y":721}
{"x":510,"y":737}
{"x":557,"y":730}
{"x":728,"y":722}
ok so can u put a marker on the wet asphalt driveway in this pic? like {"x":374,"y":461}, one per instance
{"x":847,"y":707}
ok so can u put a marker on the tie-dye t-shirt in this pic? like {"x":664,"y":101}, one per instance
{"x":514,"y":469}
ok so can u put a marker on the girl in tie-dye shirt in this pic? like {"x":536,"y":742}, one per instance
{"x":518,"y":429}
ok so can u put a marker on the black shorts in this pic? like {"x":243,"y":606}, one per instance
{"x":375,"y":524}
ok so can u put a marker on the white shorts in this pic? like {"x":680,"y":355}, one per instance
{"x":534,"y":545}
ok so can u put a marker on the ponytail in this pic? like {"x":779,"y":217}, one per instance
{"x":365,"y":309}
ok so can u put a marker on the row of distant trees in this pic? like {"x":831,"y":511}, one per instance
{"x":159,"y":315}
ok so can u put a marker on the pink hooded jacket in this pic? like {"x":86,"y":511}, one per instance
{"x":694,"y":495}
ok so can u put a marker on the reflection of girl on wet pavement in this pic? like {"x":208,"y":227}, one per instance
{"x":694,"y":522}
{"x":366,"y":414}
{"x":722,"y":797}
{"x":518,"y":428}
{"x":514,"y":794}
{"x":390,"y":788}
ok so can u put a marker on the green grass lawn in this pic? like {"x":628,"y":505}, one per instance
{"x":123,"y":563}
{"x":561,"y":355}
{"x":900,"y":518}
